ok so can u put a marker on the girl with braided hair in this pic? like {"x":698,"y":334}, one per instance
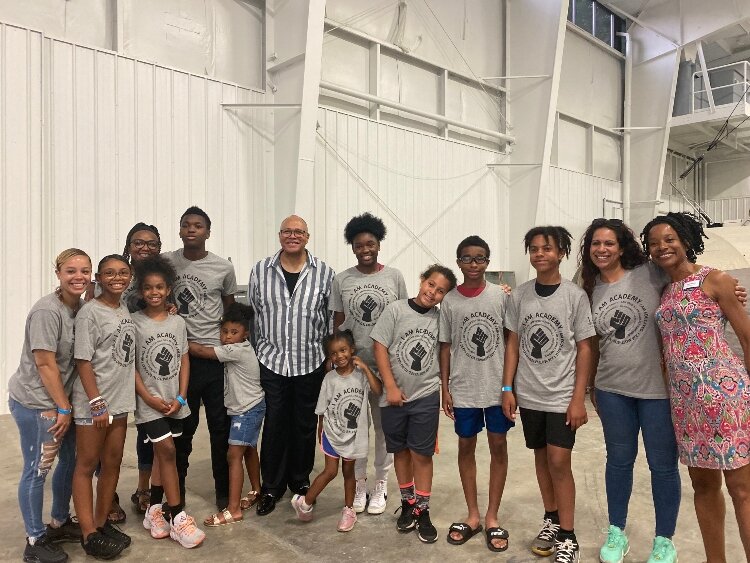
{"x":707,"y":383}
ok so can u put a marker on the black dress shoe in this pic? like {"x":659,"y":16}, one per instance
{"x":266,"y":504}
{"x":301,"y":489}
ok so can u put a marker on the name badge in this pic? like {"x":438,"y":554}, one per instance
{"x":691,"y":284}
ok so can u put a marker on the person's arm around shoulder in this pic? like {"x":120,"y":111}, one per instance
{"x":721,"y":287}
{"x":510,"y":365}
{"x":376,"y":386}
{"x":444,"y":359}
{"x":201,"y":351}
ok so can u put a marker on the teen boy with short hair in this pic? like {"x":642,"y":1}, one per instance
{"x":472,"y":349}
{"x":548,"y":360}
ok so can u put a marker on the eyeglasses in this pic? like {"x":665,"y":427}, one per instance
{"x":292,"y":233}
{"x":476,"y":259}
{"x":111,"y":274}
{"x":150,"y":244}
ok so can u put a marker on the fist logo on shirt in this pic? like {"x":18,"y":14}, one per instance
{"x":352,"y":414}
{"x":618,"y":322}
{"x":127,"y":346}
{"x":479,"y":338}
{"x":417,"y":355}
{"x":163,"y":358}
{"x":184,"y":298}
{"x":368,"y":305}
{"x":538,"y":340}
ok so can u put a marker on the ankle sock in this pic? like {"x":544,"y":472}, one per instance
{"x":553,"y":516}
{"x":422,"y":500}
{"x":171,"y":511}
{"x":157,"y":494}
{"x":407,"y":492}
{"x":563,"y":535}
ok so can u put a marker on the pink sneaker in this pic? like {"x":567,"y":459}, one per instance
{"x":348,"y":519}
{"x":302,"y":514}
{"x":185,"y":532}
{"x":155,"y":522}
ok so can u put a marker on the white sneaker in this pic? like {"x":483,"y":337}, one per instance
{"x":185,"y":532}
{"x":378,"y":498}
{"x":360,"y":496}
{"x":155,"y":522}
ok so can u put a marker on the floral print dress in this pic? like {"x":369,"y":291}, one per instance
{"x":709,"y":388}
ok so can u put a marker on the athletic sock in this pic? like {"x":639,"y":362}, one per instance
{"x":407,"y":492}
{"x":563,"y":535}
{"x":422,"y":500}
{"x":157,"y":494}
{"x":171,"y":511}
{"x":553,"y":516}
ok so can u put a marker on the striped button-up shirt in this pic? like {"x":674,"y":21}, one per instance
{"x":290,"y":327}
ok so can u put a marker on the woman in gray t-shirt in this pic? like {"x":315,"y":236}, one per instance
{"x":630,"y":396}
{"x":39,"y":402}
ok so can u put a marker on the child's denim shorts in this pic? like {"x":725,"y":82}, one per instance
{"x":245,"y":427}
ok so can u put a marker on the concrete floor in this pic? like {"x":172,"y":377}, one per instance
{"x":279,"y":537}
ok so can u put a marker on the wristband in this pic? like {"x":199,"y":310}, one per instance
{"x":507,"y":388}
{"x":95,"y":399}
{"x":66,"y":412}
{"x":181,"y":400}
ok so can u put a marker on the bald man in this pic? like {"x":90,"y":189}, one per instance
{"x":289,"y":292}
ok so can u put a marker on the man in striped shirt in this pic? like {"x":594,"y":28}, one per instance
{"x":289,"y":292}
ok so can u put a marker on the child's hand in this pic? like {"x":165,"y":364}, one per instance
{"x":395,"y":396}
{"x":448,"y":404}
{"x":173,"y":407}
{"x":172,"y":309}
{"x":358,"y":363}
{"x":509,"y":405}
{"x":576,"y":415}
{"x":506,"y":288}
{"x":101,"y":421}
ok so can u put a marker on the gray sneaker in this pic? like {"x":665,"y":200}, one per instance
{"x":544,"y":542}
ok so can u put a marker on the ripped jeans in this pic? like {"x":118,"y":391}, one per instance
{"x":39,"y":452}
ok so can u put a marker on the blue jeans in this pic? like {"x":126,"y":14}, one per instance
{"x":622,"y":417}
{"x":34,"y":427}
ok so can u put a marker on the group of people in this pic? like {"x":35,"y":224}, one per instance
{"x":319,"y":358}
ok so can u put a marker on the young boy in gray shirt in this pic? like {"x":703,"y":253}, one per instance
{"x":205,"y":287}
{"x":472,"y":350}
{"x":549,"y":359}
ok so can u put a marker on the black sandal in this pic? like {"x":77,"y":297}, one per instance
{"x":464,"y":530}
{"x":497,"y":533}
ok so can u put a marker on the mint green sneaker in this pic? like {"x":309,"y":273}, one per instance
{"x":616,"y":547}
{"x":663,"y":552}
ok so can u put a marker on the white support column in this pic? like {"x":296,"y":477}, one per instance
{"x":655,"y":65}
{"x":375,"y":79}
{"x":536,"y":35}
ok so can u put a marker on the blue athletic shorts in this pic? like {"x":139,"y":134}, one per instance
{"x":327,"y":448}
{"x":245,"y":428}
{"x":470,"y":421}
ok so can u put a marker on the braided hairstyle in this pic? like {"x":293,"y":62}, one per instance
{"x":689,"y":230}
{"x":562,"y":237}
{"x":632,"y":254}
{"x":139,"y":227}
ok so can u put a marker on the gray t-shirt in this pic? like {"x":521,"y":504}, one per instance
{"x":343,"y":404}
{"x":474,"y":328}
{"x":242,"y":390}
{"x":548,"y":329}
{"x":198,"y":291}
{"x":159,"y":347}
{"x":106,"y":337}
{"x":411,"y":339}
{"x":363,"y":298}
{"x":629,"y":352}
{"x":49,"y":326}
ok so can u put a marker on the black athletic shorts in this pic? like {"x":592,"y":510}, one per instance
{"x":541,"y":429}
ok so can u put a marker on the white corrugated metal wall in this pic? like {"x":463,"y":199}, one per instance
{"x":430,"y":192}
{"x":92,"y":142}
{"x":728,"y":209}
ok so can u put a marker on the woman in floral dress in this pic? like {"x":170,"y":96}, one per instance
{"x":709,"y":387}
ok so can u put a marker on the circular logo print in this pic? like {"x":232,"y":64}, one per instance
{"x":367,"y":303}
{"x":123,"y":343}
{"x":480,"y":336}
{"x":160,"y":357}
{"x":623,"y":317}
{"x":190,"y":294}
{"x":543,"y":338}
{"x":415,"y":351}
{"x":347,"y":406}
